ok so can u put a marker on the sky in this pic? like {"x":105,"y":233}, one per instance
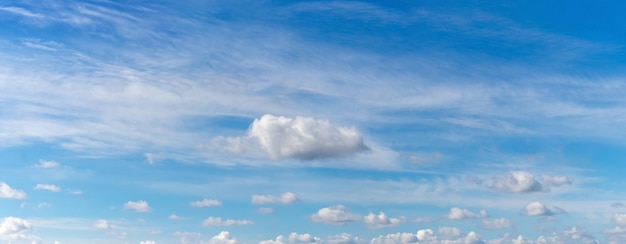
{"x":287,"y":122}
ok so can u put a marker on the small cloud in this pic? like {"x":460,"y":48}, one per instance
{"x":205,"y":203}
{"x":336,"y":215}
{"x":423,"y":220}
{"x":294,"y":238}
{"x":44,"y":164}
{"x":174,"y":217}
{"x":102,"y":224}
{"x":461,"y":214}
{"x":266,"y":210}
{"x":381,"y":220}
{"x":500,"y":223}
{"x":536,"y":208}
{"x":152,"y":158}
{"x":75,"y":192}
{"x":345,"y":238}
{"x":47,"y":187}
{"x":223,"y":238}
{"x":619,"y":219}
{"x":285,"y":198}
{"x":139,"y":206}
{"x":21,"y":11}
{"x":516,"y":182}
{"x":216,"y":221}
{"x":7,"y":192}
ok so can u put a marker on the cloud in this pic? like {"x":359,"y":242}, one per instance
{"x":461,"y":214}
{"x":344,"y":238}
{"x":223,"y":238}
{"x":44,"y":164}
{"x":188,"y":237}
{"x":301,"y":138}
{"x":294,"y":238}
{"x":47,"y":187}
{"x":102,"y":224}
{"x":619,"y":219}
{"x":285,"y":198}
{"x":499,"y":223}
{"x":139,"y":206}
{"x":174,"y":217}
{"x":12,"y":228}
{"x":556,"y":180}
{"x":7,"y":192}
{"x":205,"y":203}
{"x":216,"y":221}
{"x":449,"y":233}
{"x":337,"y":215}
{"x":21,"y":11}
{"x":536,"y":208}
{"x":425,"y":235}
{"x":152,"y":158}
{"x":147,"y":242}
{"x":525,"y":182}
{"x":381,"y":220}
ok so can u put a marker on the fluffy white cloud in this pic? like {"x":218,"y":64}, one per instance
{"x":223,"y":238}
{"x":461,"y":214}
{"x":216,"y":221}
{"x":619,"y":219}
{"x":174,"y":217}
{"x":47,"y":187}
{"x":422,"y":236}
{"x":516,"y":181}
{"x":205,"y":203}
{"x":7,"y":192}
{"x":139,"y":206}
{"x":344,"y":238}
{"x":381,"y":220}
{"x":536,"y":208}
{"x":294,"y":238}
{"x":285,"y":198}
{"x":147,"y":242}
{"x":47,"y":164}
{"x":102,"y":224}
{"x":500,"y":223}
{"x":338,"y":215}
{"x":12,"y":229}
{"x":300,"y":137}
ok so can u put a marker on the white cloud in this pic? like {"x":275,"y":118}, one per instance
{"x":556,"y":180}
{"x":449,"y":233}
{"x":147,"y":242}
{"x":45,"y":164}
{"x":21,"y":11}
{"x":294,"y":238}
{"x":12,"y":229}
{"x":422,"y":236}
{"x":47,"y":187}
{"x":619,"y":219}
{"x":536,"y":208}
{"x":517,"y":182}
{"x":205,"y":203}
{"x":102,"y":224}
{"x":344,"y":238}
{"x":216,"y":221}
{"x":223,"y":238}
{"x":139,"y":206}
{"x":285,"y":198}
{"x":7,"y":192}
{"x":188,"y":237}
{"x":302,"y":138}
{"x":338,"y":215}
{"x":461,"y":214}
{"x":499,"y":223}
{"x":174,"y":217}
{"x":266,"y":210}
{"x":381,"y":220}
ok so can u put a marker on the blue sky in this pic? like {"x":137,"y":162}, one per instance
{"x":312,"y":122}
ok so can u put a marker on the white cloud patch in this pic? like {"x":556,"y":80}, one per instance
{"x":205,"y":203}
{"x":498,"y":223}
{"x":12,"y":228}
{"x":619,"y":219}
{"x":223,"y":238}
{"x":45,"y":164}
{"x":449,"y":233}
{"x":7,"y":192}
{"x":285,"y":198}
{"x":139,"y":206}
{"x":344,"y":238}
{"x":217,"y":221}
{"x":337,"y":215}
{"x":525,"y":182}
{"x":47,"y":187}
{"x":294,"y":238}
{"x":174,"y":217}
{"x":302,"y":138}
{"x":188,"y":237}
{"x":103,"y":224}
{"x":381,"y":220}
{"x":461,"y":214}
{"x":21,"y":11}
{"x":152,"y":158}
{"x":536,"y":208}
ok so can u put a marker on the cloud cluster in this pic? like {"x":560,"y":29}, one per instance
{"x":461,"y":214}
{"x":103,"y":224}
{"x":47,"y":187}
{"x":336,"y":215}
{"x":525,"y":182}
{"x":217,"y":221}
{"x":499,"y":223}
{"x":428,"y":236}
{"x":536,"y":208}
{"x":294,"y":238}
{"x":223,"y":238}
{"x":45,"y":164}
{"x":205,"y":203}
{"x":139,"y":206}
{"x":7,"y":192}
{"x":381,"y":220}
{"x":12,"y":228}
{"x":285,"y":198}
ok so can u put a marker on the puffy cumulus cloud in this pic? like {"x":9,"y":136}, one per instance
{"x":337,"y":215}
{"x":461,"y":214}
{"x":188,"y":237}
{"x":499,"y":223}
{"x":205,"y":203}
{"x":300,"y":137}
{"x":294,"y":238}
{"x":7,"y":192}
{"x":147,"y":242}
{"x":216,"y":221}
{"x":536,"y":208}
{"x":344,"y":238}
{"x":422,"y":236}
{"x":381,"y":220}
{"x":44,"y":164}
{"x":103,"y":224}
{"x":619,"y":219}
{"x":516,"y":181}
{"x":47,"y":187}
{"x":139,"y":206}
{"x":11,"y":226}
{"x":285,"y":198}
{"x":223,"y":238}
